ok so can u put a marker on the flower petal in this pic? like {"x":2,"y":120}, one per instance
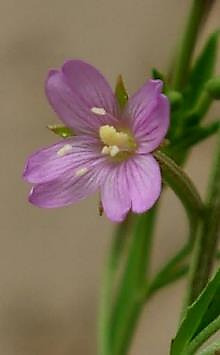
{"x":144,"y":179}
{"x":51,"y":162}
{"x":68,"y":188}
{"x":114,"y":193}
{"x":153,"y":129}
{"x":75,"y":90}
{"x":142,"y":103}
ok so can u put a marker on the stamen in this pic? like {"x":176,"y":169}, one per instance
{"x":114,"y":150}
{"x":105,"y":150}
{"x":116,"y":142}
{"x":81,"y":172}
{"x":64,"y":150}
{"x":98,"y":110}
{"x":110,"y":136}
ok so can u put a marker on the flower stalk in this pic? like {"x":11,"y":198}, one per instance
{"x":108,"y":284}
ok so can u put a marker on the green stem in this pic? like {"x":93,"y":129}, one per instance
{"x":206,"y":245}
{"x":211,"y":329}
{"x":116,"y":251}
{"x":196,"y":17}
{"x":130,"y":297}
{"x":133,"y":293}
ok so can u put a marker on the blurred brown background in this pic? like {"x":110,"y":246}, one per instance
{"x":51,"y":261}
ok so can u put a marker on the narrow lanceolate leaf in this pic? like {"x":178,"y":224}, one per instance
{"x":203,"y":69}
{"x":173,"y":270}
{"x":194,"y":317}
{"x":121,"y":92}
{"x":213,"y":311}
{"x":61,"y":131}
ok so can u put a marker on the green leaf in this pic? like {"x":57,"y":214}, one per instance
{"x":194,"y":316}
{"x":61,"y":131}
{"x":173,"y":270}
{"x":121,"y":92}
{"x":203,"y":69}
{"x":212,"y":312}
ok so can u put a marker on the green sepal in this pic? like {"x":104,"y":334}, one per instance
{"x":195,"y":316}
{"x":156,"y":74}
{"x":61,"y":131}
{"x":121,"y":92}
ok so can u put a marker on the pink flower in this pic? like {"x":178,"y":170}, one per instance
{"x":111,"y":151}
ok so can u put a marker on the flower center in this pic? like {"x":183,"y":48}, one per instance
{"x":116,"y":143}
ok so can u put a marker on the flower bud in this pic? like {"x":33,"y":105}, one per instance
{"x":175,"y":98}
{"x":213,"y":88}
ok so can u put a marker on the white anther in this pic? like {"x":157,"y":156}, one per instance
{"x":105,"y":150}
{"x":114,"y":150}
{"x":64,"y":150}
{"x":81,"y":172}
{"x":98,"y":110}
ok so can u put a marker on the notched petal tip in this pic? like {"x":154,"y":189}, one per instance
{"x":78,"y":64}
{"x":116,"y":217}
{"x":74,"y":62}
{"x":157,"y":84}
{"x":25,"y":171}
{"x":26,"y":175}
{"x":52,"y":72}
{"x":35,"y":199}
{"x":51,"y":78}
{"x":31,"y":198}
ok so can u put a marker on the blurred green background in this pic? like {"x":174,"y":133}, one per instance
{"x":51,"y":260}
